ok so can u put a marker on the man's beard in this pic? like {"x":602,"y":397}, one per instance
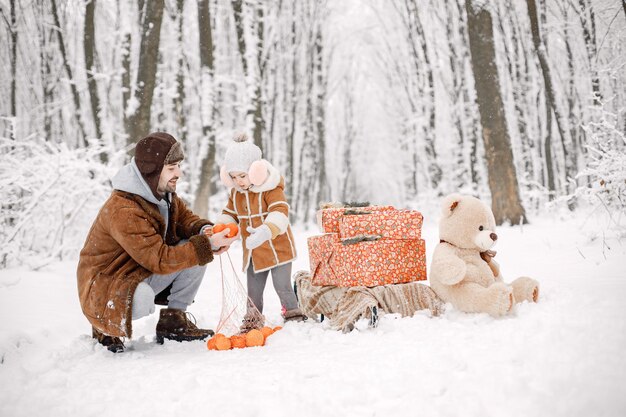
{"x":170,"y":188}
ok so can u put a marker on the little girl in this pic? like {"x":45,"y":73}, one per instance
{"x":257,"y":202}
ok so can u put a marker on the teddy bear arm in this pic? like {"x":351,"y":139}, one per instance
{"x":449,"y":270}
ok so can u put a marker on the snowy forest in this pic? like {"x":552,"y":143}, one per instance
{"x":519,"y":102}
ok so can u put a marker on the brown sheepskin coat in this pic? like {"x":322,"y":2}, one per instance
{"x":125,"y":246}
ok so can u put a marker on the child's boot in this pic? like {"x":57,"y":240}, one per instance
{"x":252,"y":320}
{"x":294,"y":315}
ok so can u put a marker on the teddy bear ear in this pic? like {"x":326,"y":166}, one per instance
{"x":450,"y":203}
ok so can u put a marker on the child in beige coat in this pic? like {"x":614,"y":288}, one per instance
{"x":257,"y":203}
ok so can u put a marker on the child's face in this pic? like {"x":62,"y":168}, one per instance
{"x":241,"y":179}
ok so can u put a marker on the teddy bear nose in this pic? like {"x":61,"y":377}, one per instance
{"x":493,"y":236}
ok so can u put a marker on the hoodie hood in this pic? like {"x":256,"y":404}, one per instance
{"x":130,"y":180}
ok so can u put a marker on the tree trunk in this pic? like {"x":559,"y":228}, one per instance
{"x":589,"y":34}
{"x":540,"y":50}
{"x":179,"y":99}
{"x":13,"y":30}
{"x":89,"y":46}
{"x":207,"y":109}
{"x":138,"y":122}
{"x":434,"y":170}
{"x":323,"y":191}
{"x":418,"y":39}
{"x":254,"y":112}
{"x":126,"y":87}
{"x":291,"y":147}
{"x":68,"y":70}
{"x":47,"y":88}
{"x":505,"y":199}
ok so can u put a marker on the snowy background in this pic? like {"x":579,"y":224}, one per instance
{"x":563,"y":356}
{"x":353,"y":100}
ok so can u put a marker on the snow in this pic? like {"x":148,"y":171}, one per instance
{"x":560,"y":357}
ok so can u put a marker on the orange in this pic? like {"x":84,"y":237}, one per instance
{"x":254,"y":338}
{"x":267,"y":331}
{"x":234,"y":229}
{"x":211,"y":344}
{"x":218,"y":228}
{"x":222,"y":343}
{"x":277,"y":328}
{"x":238,"y":341}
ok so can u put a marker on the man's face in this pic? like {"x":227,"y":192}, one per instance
{"x":169,"y":176}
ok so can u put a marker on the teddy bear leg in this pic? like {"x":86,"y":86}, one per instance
{"x":495,"y":300}
{"x":525,"y":289}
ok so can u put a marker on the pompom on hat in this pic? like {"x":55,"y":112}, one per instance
{"x":243,"y":156}
{"x":152,"y":153}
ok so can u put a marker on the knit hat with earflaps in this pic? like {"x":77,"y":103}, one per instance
{"x":152,"y":153}
{"x":241,"y":154}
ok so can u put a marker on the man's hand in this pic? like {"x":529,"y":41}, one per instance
{"x":258,"y":236}
{"x":221,"y":250}
{"x":219,"y":242}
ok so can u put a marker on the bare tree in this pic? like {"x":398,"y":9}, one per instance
{"x":252,"y":70}
{"x":551,"y":102}
{"x":588,"y":24}
{"x":70,"y":76}
{"x":179,"y":98}
{"x":421,"y":60}
{"x":138,"y":122}
{"x":207,"y":110}
{"x":13,"y":30}
{"x":505,"y":199}
{"x":89,"y":46}
{"x":320,"y":119}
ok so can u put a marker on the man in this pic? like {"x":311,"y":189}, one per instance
{"x":146,"y":246}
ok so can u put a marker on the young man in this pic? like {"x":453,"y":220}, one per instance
{"x":146,"y":246}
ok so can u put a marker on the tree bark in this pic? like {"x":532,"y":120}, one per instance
{"x":138,"y":122}
{"x":70,"y":76}
{"x":13,"y":30}
{"x":323,"y":191}
{"x":291,"y":147}
{"x":126,"y":87}
{"x":89,"y":46}
{"x":505,"y":199}
{"x":254,"y":112}
{"x":587,"y":19}
{"x":540,"y":50}
{"x":207,"y":109}
{"x":179,"y":99}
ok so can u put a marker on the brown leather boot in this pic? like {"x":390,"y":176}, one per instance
{"x":174,"y":325}
{"x":114,"y":344}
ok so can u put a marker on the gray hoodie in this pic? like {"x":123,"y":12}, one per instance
{"x":129,"y":179}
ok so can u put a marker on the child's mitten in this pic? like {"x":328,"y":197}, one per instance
{"x":258,"y":236}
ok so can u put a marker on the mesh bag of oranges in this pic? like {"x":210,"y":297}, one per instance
{"x":239,"y":317}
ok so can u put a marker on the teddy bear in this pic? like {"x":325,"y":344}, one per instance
{"x":463,"y":271}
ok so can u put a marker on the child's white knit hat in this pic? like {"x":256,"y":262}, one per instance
{"x":241,"y":154}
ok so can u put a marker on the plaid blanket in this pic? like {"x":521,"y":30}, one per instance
{"x":344,"y":306}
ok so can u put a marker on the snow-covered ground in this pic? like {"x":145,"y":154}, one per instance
{"x":564,"y":356}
